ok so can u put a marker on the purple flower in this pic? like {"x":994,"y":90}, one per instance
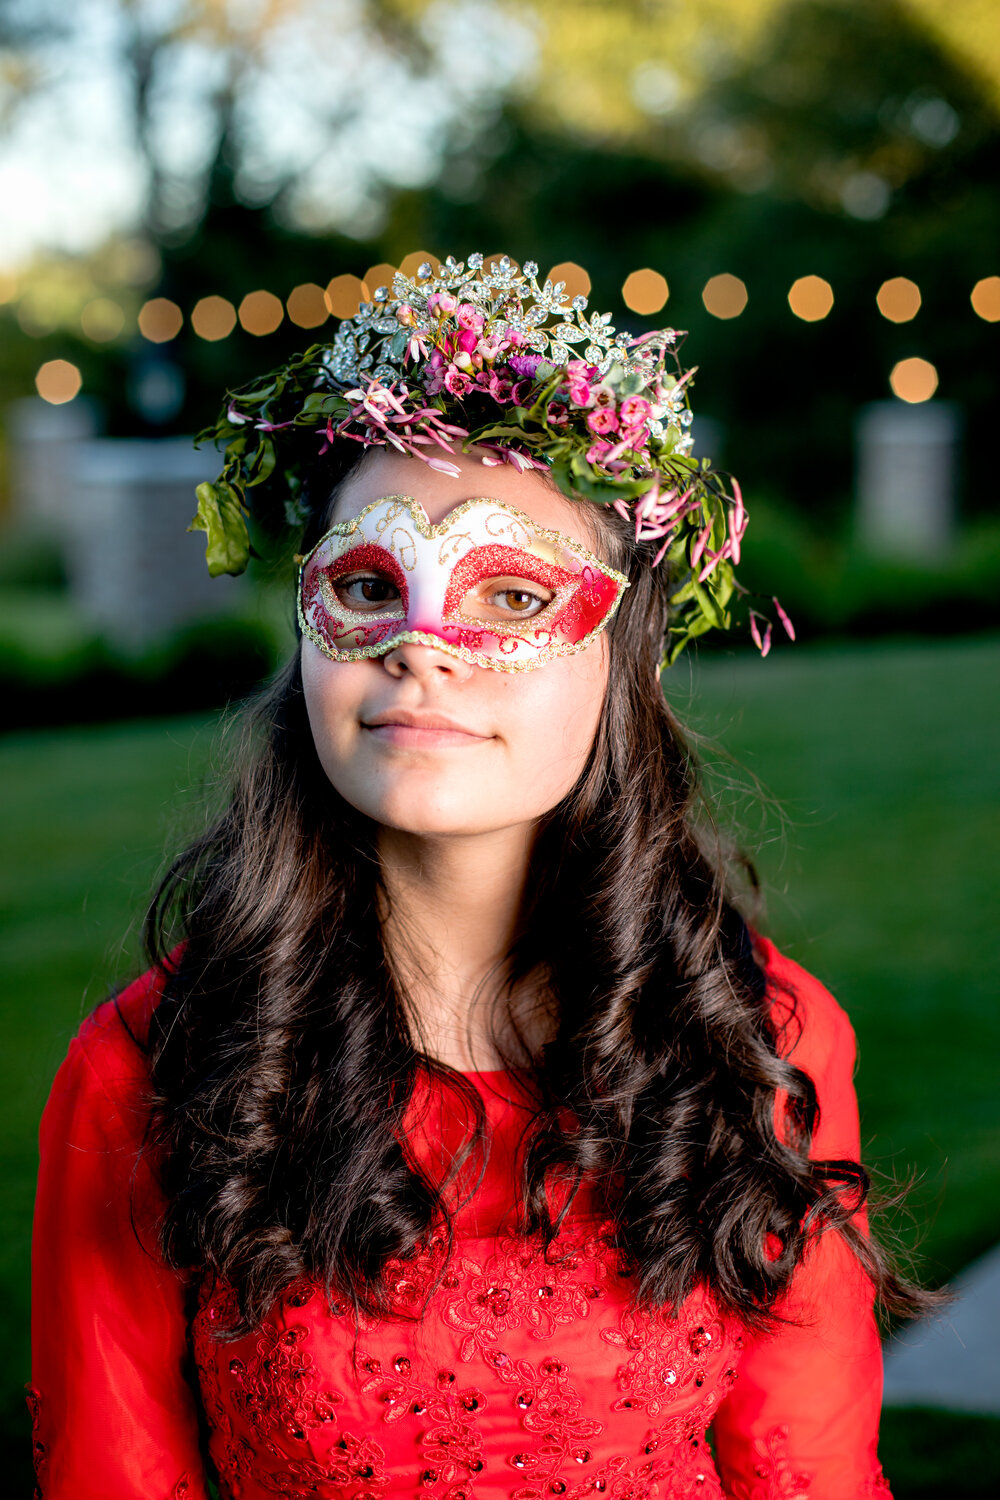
{"x":525,"y":365}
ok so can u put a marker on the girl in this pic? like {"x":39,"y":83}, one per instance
{"x":462,"y":1140}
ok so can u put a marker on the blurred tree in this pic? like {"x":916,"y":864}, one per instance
{"x":848,"y":145}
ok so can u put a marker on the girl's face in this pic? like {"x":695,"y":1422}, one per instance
{"x":426,"y":743}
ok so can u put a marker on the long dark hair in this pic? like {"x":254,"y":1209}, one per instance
{"x":282,"y":1061}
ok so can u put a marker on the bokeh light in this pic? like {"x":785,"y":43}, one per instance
{"x":810,"y":298}
{"x":306,"y":306}
{"x":261,"y":313}
{"x":914,"y":380}
{"x":213,"y":318}
{"x":899,"y":299}
{"x":724,"y":296}
{"x":102,"y":319}
{"x":645,"y":291}
{"x":986,"y":299}
{"x":58,"y":381}
{"x":8,"y":286}
{"x":577,"y":282}
{"x":344,"y":295}
{"x":160,"y":320}
{"x":410,"y":264}
{"x":376,"y":276}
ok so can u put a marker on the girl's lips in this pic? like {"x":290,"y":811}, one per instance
{"x":432,"y":734}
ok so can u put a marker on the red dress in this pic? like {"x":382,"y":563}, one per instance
{"x":524,"y":1381}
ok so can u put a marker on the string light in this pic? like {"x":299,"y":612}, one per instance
{"x":58,"y":381}
{"x":645,"y":291}
{"x":410,"y":264}
{"x":160,"y":320}
{"x":344,"y":296}
{"x":724,"y":296}
{"x":306,"y":306}
{"x":985,"y":299}
{"x":376,"y":276}
{"x":575,"y":277}
{"x":899,"y":299}
{"x":810,"y":298}
{"x":213,"y":318}
{"x":914,"y":380}
{"x":261,"y":313}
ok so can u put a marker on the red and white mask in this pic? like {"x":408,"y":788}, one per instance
{"x":487,"y":585}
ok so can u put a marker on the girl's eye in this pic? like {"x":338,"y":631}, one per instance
{"x":365,"y":591}
{"x":519,"y":601}
{"x":503,"y":598}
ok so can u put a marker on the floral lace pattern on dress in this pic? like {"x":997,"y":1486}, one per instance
{"x":485,"y":1411}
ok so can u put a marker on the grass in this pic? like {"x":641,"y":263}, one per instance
{"x":877,"y":852}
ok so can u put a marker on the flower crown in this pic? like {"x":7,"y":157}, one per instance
{"x":482,"y":355}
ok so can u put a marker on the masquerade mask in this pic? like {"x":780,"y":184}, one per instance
{"x":487,"y":585}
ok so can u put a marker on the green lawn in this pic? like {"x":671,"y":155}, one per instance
{"x":878,"y":854}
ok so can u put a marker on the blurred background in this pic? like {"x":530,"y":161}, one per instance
{"x":189,"y":189}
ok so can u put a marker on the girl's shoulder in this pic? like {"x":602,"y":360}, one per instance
{"x":111,"y":1041}
{"x":813,"y":1028}
{"x":815,"y":1034}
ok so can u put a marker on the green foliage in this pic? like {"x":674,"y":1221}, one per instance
{"x":829,"y":584}
{"x":56,"y":670}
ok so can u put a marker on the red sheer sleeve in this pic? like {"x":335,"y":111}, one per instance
{"x":802,"y":1419}
{"x":114,"y":1416}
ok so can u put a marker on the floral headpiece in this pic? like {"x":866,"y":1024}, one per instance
{"x":482,"y":355}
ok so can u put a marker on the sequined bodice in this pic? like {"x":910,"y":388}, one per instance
{"x":527,"y":1378}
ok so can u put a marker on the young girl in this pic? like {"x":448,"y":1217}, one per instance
{"x":462,"y":1140}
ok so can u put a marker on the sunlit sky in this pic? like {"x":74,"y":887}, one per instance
{"x":323,"y":101}
{"x":71,"y":172}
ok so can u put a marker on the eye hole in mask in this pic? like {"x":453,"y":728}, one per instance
{"x":486,"y":584}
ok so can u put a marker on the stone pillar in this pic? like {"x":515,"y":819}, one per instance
{"x":133,"y":568}
{"x":43,"y":442}
{"x":906,"y":465}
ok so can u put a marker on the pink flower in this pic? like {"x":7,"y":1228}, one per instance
{"x":470,"y":317}
{"x":467,"y":341}
{"x":602,"y":419}
{"x":501,"y":390}
{"x":443,"y":304}
{"x":789,"y":627}
{"x":515,"y":339}
{"x":577,"y":369}
{"x":636,"y":437}
{"x":763,"y":646}
{"x":603,"y":395}
{"x":406,"y":315}
{"x":455,"y":382}
{"x":418,"y":347}
{"x":700,"y":544}
{"x":596,"y":452}
{"x":579,"y":392}
{"x":490,"y":348}
{"x":634,"y":411}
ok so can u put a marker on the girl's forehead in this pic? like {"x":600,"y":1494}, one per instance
{"x":440,"y":494}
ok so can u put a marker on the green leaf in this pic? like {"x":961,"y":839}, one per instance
{"x":261,"y":465}
{"x":501,"y":430}
{"x":221,"y":517}
{"x":323,"y":404}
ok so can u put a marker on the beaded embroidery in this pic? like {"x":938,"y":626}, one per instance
{"x":278,"y":1426}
